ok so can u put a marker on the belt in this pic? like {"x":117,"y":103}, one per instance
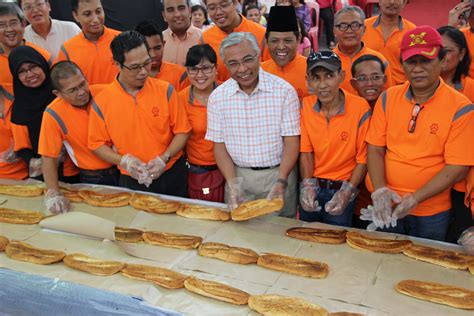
{"x":261,"y":168}
{"x":329,"y":184}
{"x":100,"y":172}
{"x":208,"y":167}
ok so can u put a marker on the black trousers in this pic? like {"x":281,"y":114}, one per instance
{"x":327,"y":15}
{"x":174,"y":181}
{"x":462,"y":217}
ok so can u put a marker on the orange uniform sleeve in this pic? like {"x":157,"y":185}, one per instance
{"x":363,"y":127}
{"x":98,"y":134}
{"x":21,"y":137}
{"x":51,"y":137}
{"x":305,"y":142}
{"x":457,"y":151}
{"x":377,"y":132}
{"x":178,"y":117}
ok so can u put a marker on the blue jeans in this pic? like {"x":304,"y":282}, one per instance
{"x":324,"y":196}
{"x":431,"y":227}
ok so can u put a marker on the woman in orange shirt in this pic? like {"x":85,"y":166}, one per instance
{"x":205,"y":181}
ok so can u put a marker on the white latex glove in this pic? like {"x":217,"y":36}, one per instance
{"x":383,"y":199}
{"x":36,"y":167}
{"x":9,"y":156}
{"x":341,"y":199}
{"x":404,"y":207}
{"x":309,"y":190}
{"x":56,"y":203}
{"x":467,"y":240}
{"x":155,"y":167}
{"x":277,"y":191}
{"x":135,"y":167}
{"x":236,"y":194}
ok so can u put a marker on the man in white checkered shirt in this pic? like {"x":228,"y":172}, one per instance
{"x":254,"y":122}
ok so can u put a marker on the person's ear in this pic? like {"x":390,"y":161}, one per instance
{"x":354,"y":84}
{"x":76,"y":17}
{"x":57,"y":93}
{"x":462,"y":53}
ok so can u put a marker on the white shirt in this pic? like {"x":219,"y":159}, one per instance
{"x":60,"y":32}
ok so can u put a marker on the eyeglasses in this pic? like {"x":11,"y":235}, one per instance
{"x":233,"y":64}
{"x":326,"y":55}
{"x":355,"y":26}
{"x":221,"y":5}
{"x":24,"y":71}
{"x":414,"y":116}
{"x":137,"y":68}
{"x":75,"y":90}
{"x":13,"y":24}
{"x":31,"y":7}
{"x":205,"y":69}
{"x":365,"y":79}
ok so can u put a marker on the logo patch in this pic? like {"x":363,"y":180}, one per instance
{"x":155,"y":111}
{"x":434,"y":128}
{"x":344,"y":136}
{"x":417,"y":39}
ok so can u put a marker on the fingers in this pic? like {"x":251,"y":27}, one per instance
{"x":371,"y":227}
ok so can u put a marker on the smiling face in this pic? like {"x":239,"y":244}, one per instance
{"x":243,"y":65}
{"x":177,"y":14}
{"x":36,"y":11}
{"x":391,"y":7}
{"x":223,"y":13}
{"x":90,"y":15}
{"x":11,"y":31}
{"x":349,"y":39}
{"x":203,"y":75}
{"x":325,"y":83}
{"x":254,"y":15}
{"x":282,"y":46}
{"x":31,"y":75}
{"x":374,"y":82}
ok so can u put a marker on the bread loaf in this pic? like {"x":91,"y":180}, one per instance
{"x":228,"y":253}
{"x":21,"y":190}
{"x":3,"y":242}
{"x":326,"y":236}
{"x":203,"y":212}
{"x":172,"y":240}
{"x":292,"y":265}
{"x":256,"y":208}
{"x":153,"y":204}
{"x":362,"y":242}
{"x":105,"y":200}
{"x":93,"y":265}
{"x":131,"y":235}
{"x":444,"y":258}
{"x":22,"y":251}
{"x":20,"y":217}
{"x":216,"y":291}
{"x":278,"y":305}
{"x":160,"y":276}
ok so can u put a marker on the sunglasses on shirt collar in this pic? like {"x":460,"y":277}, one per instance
{"x":323,"y":55}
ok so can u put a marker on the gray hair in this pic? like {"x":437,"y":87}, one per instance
{"x":237,"y":38}
{"x":350,"y":8}
{"x":10,"y":8}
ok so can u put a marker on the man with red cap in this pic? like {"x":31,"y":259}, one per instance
{"x":417,"y":143}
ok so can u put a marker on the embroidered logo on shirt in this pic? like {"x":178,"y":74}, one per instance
{"x":155,"y":111}
{"x":434,"y":128}
{"x":344,"y":136}
{"x":417,"y":39}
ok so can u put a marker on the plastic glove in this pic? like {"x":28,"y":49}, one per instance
{"x":236,"y":196}
{"x":309,"y":190}
{"x":155,"y":167}
{"x":36,"y":167}
{"x":341,"y":199}
{"x":56,"y":203}
{"x":136,"y":168}
{"x":9,"y":156}
{"x":403,"y":209}
{"x":383,"y":199}
{"x":277,"y":191}
{"x":467,"y":240}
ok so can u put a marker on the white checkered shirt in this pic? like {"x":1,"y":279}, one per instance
{"x":252,"y":126}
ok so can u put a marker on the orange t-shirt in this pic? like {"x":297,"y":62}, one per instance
{"x":338,"y":144}
{"x":175,"y":74}
{"x":293,"y":73}
{"x":469,"y":35}
{"x":6,"y":78}
{"x":142,"y":126}
{"x":68,"y":125}
{"x":444,"y":131}
{"x":214,"y":37}
{"x":199,"y":150}
{"x":390,"y":48}
{"x":94,"y":58}
{"x":347,"y":64}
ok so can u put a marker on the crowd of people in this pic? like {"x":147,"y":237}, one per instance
{"x":376,"y":131}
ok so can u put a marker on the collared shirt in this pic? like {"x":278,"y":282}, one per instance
{"x":61,"y":31}
{"x":466,"y":87}
{"x":293,"y":73}
{"x":252,"y":126}
{"x":176,"y":75}
{"x":176,"y":49}
{"x":390,"y":48}
{"x":469,"y":35}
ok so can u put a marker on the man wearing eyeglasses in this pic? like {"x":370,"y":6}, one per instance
{"x":419,"y":143}
{"x":65,"y":123}
{"x":348,"y":30}
{"x":254,"y":121}
{"x":141,"y":119}
{"x":43,"y":31}
{"x":368,"y":77}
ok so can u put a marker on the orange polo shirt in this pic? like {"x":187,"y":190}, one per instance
{"x":339,"y":143}
{"x":347,"y":64}
{"x":68,"y":125}
{"x":444,"y":130}
{"x":469,"y":35}
{"x":6,"y":79}
{"x":94,"y":58}
{"x":199,"y":150}
{"x":390,"y":48}
{"x":174,"y":74}
{"x":214,"y":37}
{"x":294,"y":73}
{"x":143,"y":125}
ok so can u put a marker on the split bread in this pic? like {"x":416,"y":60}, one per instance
{"x":71,"y":195}
{"x":228,"y":253}
{"x":278,"y":305}
{"x":3,"y":242}
{"x":444,"y":258}
{"x":163,"y":277}
{"x":22,"y":251}
{"x":93,"y":265}
{"x":20,"y":217}
{"x":153,"y":204}
{"x":438,"y":293}
{"x":105,"y":200}
{"x":292,"y":265}
{"x":128,"y":234}
{"x":216,"y":291}
{"x":326,"y":236}
{"x":172,"y":240}
{"x":203,"y":212}
{"x":362,"y":242}
{"x":252,"y":209}
{"x":21,"y":190}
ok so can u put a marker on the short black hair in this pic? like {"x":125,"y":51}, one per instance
{"x":10,"y":8}
{"x":198,"y":7}
{"x":125,"y":42}
{"x":199,"y":52}
{"x":75,"y":4}
{"x":458,"y":38}
{"x":367,"y":57}
{"x":149,"y":28}
{"x":63,"y":70}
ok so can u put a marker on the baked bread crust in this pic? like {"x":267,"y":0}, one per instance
{"x":444,"y":258}
{"x":216,"y":291}
{"x":256,"y":208}
{"x":203,"y":212}
{"x":228,"y":253}
{"x":126,"y":234}
{"x":438,"y":293}
{"x":163,"y":277}
{"x":21,"y":190}
{"x":22,"y":251}
{"x":298,"y":266}
{"x":172,"y":240}
{"x":362,"y":242}
{"x":72,"y":195}
{"x":3,"y":242}
{"x":278,"y":305}
{"x":325,"y":236}
{"x":105,"y":200}
{"x":20,"y":217}
{"x":153,"y":204}
{"x":93,"y":265}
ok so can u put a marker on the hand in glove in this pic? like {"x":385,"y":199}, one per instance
{"x":235,"y":193}
{"x":308,"y":193}
{"x":9,"y":156}
{"x":155,"y":167}
{"x":56,"y":203}
{"x":277,"y":191}
{"x":36,"y":167}
{"x":341,"y":199}
{"x":404,"y":207}
{"x":467,"y":240}
{"x":135,"y":167}
{"x":383,"y":199}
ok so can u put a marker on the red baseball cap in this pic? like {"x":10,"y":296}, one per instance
{"x":422,"y":40}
